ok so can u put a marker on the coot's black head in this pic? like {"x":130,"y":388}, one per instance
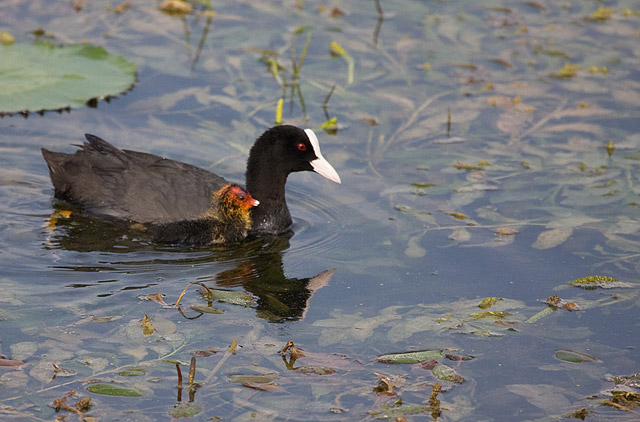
{"x":280,"y":151}
{"x":287,"y":149}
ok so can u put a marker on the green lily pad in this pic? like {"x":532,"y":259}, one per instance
{"x":411,"y":357}
{"x":41,"y":76}
{"x":114,"y":390}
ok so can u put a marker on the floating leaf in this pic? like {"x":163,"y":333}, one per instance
{"x":460,"y":234}
{"x":458,"y":215}
{"x":114,"y":390}
{"x":315,"y":370}
{"x":579,"y":414}
{"x":557,"y":53}
{"x":10,"y":362}
{"x":205,"y":352}
{"x":132,"y":372}
{"x":505,"y":231}
{"x":593,"y":281}
{"x":593,"y":69}
{"x":446,"y":373}
{"x":567,"y":71}
{"x":414,"y":250}
{"x":489,"y":302}
{"x":468,"y":167}
{"x":41,"y":76}
{"x":490,"y":314}
{"x":235,"y":297}
{"x":476,"y":187}
{"x":147,"y":327}
{"x":264,"y":387}
{"x":574,"y":357}
{"x":6,"y":38}
{"x":411,"y":357}
{"x":122,"y":7}
{"x":551,"y":238}
{"x":207,"y":309}
{"x":600,"y":15}
{"x":396,"y":412}
{"x":257,"y":378}
{"x":458,"y":358}
{"x":423,"y":185}
{"x":610,"y":148}
{"x":543,"y":396}
{"x":184,"y":410}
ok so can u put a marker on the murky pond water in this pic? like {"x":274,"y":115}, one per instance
{"x":475,"y":165}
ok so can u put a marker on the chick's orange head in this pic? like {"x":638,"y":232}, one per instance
{"x":242,"y":197}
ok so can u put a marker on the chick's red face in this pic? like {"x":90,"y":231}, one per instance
{"x":244,"y":198}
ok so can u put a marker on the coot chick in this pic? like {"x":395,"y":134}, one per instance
{"x":109,"y":182}
{"x":227,"y":220}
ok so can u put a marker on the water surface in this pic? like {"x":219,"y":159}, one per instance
{"x":513,"y":198}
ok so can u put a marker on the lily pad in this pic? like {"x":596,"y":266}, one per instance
{"x":114,"y":390}
{"x":41,"y":76}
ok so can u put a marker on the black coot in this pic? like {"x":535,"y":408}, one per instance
{"x":138,"y":187}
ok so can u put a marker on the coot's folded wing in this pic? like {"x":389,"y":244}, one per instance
{"x":134,"y":186}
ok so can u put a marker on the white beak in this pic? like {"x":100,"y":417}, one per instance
{"x":321,"y":165}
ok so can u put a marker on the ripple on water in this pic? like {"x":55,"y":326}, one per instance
{"x":318,"y":224}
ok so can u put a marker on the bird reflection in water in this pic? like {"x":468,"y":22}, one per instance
{"x":258,"y":270}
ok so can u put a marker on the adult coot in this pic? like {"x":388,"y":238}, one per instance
{"x":138,"y":187}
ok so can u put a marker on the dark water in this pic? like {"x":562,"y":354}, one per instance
{"x":379,"y":264}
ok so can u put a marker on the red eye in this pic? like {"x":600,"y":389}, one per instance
{"x":302,"y":147}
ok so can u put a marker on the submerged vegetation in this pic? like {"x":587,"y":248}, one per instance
{"x":491,"y":154}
